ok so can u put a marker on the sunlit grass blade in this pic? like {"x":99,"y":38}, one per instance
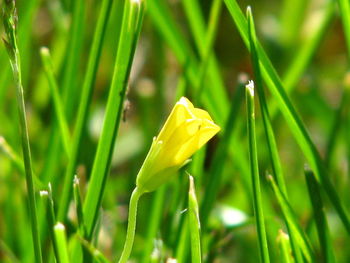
{"x":217,"y":166}
{"x":194,"y":223}
{"x":61,"y":240}
{"x":131,"y":26}
{"x":269,"y":133}
{"x":284,"y":247}
{"x":9,"y":20}
{"x":289,"y":215}
{"x":320,"y":217}
{"x":85,"y":100}
{"x":254,"y":169}
{"x":296,"y":126}
{"x":59,"y":109}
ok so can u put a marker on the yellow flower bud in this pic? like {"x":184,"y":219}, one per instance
{"x":185,"y":131}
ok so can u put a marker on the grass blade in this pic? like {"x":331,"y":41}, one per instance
{"x":85,"y":100}
{"x":292,"y":118}
{"x":131,"y":26}
{"x":269,"y":134}
{"x":289,"y":215}
{"x":62,"y":123}
{"x":254,"y":169}
{"x":10,"y":16}
{"x":194,"y":224}
{"x":320,"y":217}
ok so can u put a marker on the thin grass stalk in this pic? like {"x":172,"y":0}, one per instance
{"x":58,"y":106}
{"x":254,"y":169}
{"x":61,"y":240}
{"x":320,"y":217}
{"x":292,"y":118}
{"x":85,"y":100}
{"x":131,"y":26}
{"x":10,"y":25}
{"x":269,"y":133}
{"x":194,"y":223}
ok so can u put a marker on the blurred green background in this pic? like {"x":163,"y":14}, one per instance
{"x":307,"y":46}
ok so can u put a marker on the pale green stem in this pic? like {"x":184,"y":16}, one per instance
{"x":130,"y":234}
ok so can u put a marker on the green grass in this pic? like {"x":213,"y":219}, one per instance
{"x":85,"y":85}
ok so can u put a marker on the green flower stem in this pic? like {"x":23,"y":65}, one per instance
{"x":130,"y":234}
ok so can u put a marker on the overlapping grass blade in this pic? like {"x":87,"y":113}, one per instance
{"x":131,"y":26}
{"x":85,"y":100}
{"x":289,"y":216}
{"x":299,"y":131}
{"x":320,"y":217}
{"x":269,"y":134}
